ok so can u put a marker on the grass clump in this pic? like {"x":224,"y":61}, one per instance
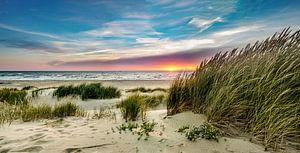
{"x":254,"y":90}
{"x":67,"y":109}
{"x":13,"y":96}
{"x":136,"y":105}
{"x":88,"y":91}
{"x":28,"y":112}
{"x":132,"y":107}
{"x":143,"y":89}
{"x":153,"y":101}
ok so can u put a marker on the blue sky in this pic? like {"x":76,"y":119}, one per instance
{"x":132,"y":34}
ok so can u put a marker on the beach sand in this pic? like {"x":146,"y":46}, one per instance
{"x":87,"y":134}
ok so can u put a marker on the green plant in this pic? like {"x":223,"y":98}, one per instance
{"x":88,"y":91}
{"x":205,"y":131}
{"x":183,"y":129}
{"x":255,"y":90}
{"x":145,"y":129}
{"x":129,"y":126}
{"x":132,"y":107}
{"x":13,"y":96}
{"x":141,"y":130}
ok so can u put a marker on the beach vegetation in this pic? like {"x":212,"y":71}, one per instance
{"x":28,"y":87}
{"x":29,"y":112}
{"x":13,"y":96}
{"x":135,"y":105}
{"x":205,"y":131}
{"x":152,"y":101}
{"x":254,"y":90}
{"x":142,"y":130}
{"x":143,"y":89}
{"x":132,"y":107}
{"x":88,"y":91}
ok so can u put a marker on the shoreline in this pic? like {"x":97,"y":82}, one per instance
{"x":122,"y":84}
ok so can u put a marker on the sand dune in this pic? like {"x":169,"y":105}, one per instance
{"x":87,"y":134}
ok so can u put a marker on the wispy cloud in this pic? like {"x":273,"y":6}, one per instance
{"x":31,"y":45}
{"x":125,"y":28}
{"x":138,"y":15}
{"x":181,"y":4}
{"x":185,"y":57}
{"x":204,"y":24}
{"x":12,"y":28}
{"x":238,"y":30}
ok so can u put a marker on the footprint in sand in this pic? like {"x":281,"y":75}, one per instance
{"x":2,"y":138}
{"x":66,"y":125}
{"x":37,"y":137}
{"x":39,"y":142}
{"x":4,"y":150}
{"x":31,"y":149}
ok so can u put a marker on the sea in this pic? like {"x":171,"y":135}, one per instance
{"x":90,"y":75}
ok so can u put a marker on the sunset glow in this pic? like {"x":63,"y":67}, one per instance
{"x":102,"y":35}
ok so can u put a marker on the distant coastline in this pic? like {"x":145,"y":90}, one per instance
{"x":87,"y":75}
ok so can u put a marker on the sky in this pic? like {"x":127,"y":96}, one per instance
{"x":132,"y":35}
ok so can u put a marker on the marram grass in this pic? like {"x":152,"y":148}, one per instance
{"x":255,"y":90}
{"x":13,"y":96}
{"x":135,"y":105}
{"x":88,"y":91}
{"x":29,"y":112}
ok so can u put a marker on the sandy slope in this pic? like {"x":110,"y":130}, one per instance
{"x":86,"y":134}
{"x":95,"y":135}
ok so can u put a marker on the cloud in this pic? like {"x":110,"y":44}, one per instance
{"x":125,"y":28}
{"x":11,"y":28}
{"x":31,"y":45}
{"x":238,"y":30}
{"x":181,"y":4}
{"x":138,"y":15}
{"x":186,"y":57}
{"x":204,"y":24}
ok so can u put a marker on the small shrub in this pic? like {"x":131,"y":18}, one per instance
{"x":13,"y":96}
{"x":205,"y":131}
{"x":132,"y":107}
{"x":145,"y":129}
{"x":124,"y":127}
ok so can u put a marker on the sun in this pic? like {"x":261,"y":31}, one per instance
{"x":171,"y":69}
